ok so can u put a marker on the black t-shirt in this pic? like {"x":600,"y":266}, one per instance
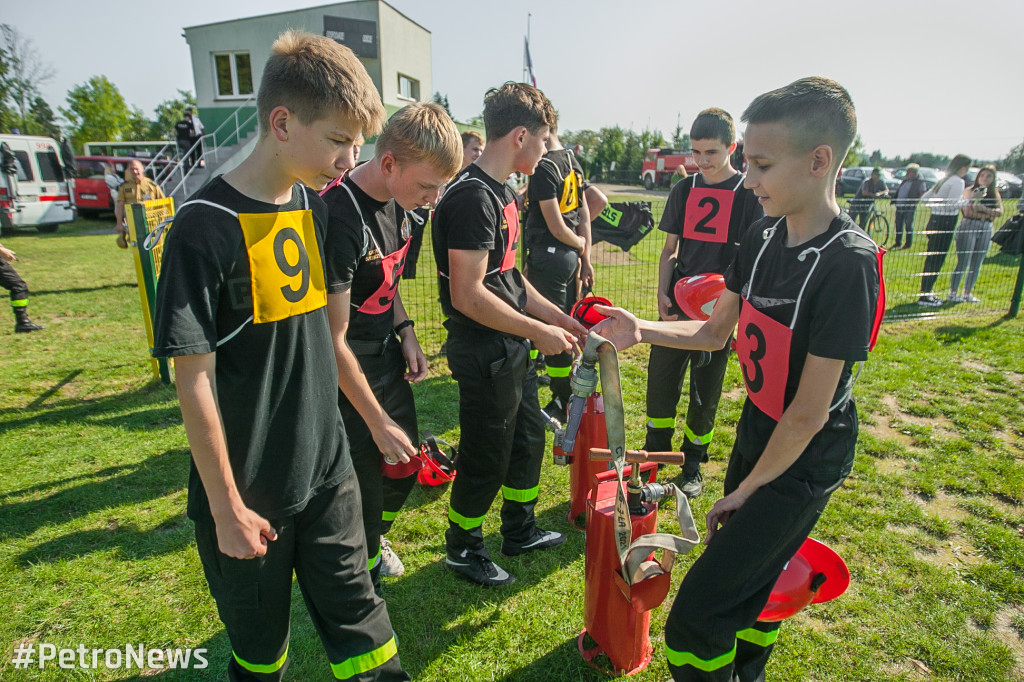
{"x":469,"y":217}
{"x":355,"y":252}
{"x":183,"y":130}
{"x":558,"y":176}
{"x":276,"y":375}
{"x":695,"y":257}
{"x":835,"y":319}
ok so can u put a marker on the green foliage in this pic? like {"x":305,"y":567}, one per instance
{"x":6,"y":113}
{"x":26,"y":72}
{"x":438,"y":98}
{"x":168,"y":113}
{"x":1014,"y":161}
{"x":41,"y":120}
{"x":855,"y":157}
{"x":97,"y":111}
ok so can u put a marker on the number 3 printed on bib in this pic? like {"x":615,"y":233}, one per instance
{"x":284,"y":259}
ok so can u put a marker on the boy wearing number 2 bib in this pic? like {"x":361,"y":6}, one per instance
{"x":805,"y":288}
{"x":705,"y":217}
{"x":242,"y":307}
{"x":368,"y":238}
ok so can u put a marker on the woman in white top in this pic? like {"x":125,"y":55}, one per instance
{"x":974,"y":233}
{"x":946,"y":199}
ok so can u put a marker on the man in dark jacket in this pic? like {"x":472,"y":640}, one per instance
{"x":910,"y":190}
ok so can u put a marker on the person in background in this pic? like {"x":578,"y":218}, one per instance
{"x":871,"y":189}
{"x":183,"y":136}
{"x":910,"y":190}
{"x":974,"y":234}
{"x":197,"y":137}
{"x":10,"y":280}
{"x":113,"y":181}
{"x":948,"y":195}
{"x":136,"y":188}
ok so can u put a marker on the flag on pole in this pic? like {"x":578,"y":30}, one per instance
{"x":527,"y":62}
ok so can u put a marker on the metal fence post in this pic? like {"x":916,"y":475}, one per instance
{"x":1017,"y":287}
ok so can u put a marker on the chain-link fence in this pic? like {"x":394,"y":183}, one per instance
{"x":629,"y":279}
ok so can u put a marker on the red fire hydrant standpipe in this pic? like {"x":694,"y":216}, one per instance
{"x":624,"y":580}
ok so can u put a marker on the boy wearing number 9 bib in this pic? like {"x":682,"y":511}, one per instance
{"x":705,"y":217}
{"x":241,"y":307}
{"x":805,"y":288}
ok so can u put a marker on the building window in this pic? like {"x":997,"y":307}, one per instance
{"x":408,"y":88}
{"x":234,"y":74}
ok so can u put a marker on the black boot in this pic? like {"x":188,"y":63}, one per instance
{"x":22,"y":323}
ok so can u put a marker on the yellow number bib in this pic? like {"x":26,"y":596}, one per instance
{"x":570,"y":200}
{"x":284,"y":259}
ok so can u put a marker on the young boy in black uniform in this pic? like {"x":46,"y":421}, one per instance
{"x":10,"y":280}
{"x":493,"y":315}
{"x":558,"y":243}
{"x":242,"y":307}
{"x":368,"y":239}
{"x":705,"y":217}
{"x":804,"y":287}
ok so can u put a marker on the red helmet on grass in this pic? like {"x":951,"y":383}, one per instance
{"x":815,"y":574}
{"x":696,"y":296}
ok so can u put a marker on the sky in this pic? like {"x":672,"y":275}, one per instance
{"x":938,"y":76}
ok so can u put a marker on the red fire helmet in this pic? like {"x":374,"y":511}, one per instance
{"x":438,"y":467}
{"x":696,"y":296}
{"x":584,"y":313}
{"x":814,"y":575}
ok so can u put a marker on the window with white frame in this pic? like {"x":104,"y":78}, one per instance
{"x":408,"y":88}
{"x":233,"y":73}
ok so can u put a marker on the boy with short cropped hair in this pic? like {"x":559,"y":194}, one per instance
{"x":705,"y":217}
{"x":493,"y":315}
{"x":368,"y":239}
{"x":558,"y":244}
{"x":804,"y":287}
{"x":242,"y":307}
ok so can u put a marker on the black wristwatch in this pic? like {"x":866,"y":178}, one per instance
{"x":403,"y":324}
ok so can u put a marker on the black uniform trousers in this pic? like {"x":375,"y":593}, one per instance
{"x":382,"y":496}
{"x":324,"y":546}
{"x":940,"y":235}
{"x":501,"y":444}
{"x":712,"y":633}
{"x":666,"y":371}
{"x":10,"y":280}
{"x":552,"y":272}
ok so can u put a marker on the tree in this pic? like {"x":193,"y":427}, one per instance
{"x":680,"y":140}
{"x":1014,"y":161}
{"x":96,"y":111}
{"x":168,"y":113}
{"x":442,"y":100}
{"x":855,"y":156}
{"x":6,"y":114}
{"x":137,"y":127}
{"x":26,"y":71}
{"x":609,"y":150}
{"x":41,"y":120}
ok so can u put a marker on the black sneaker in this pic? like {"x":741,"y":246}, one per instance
{"x":541,"y":539}
{"x":692,"y":486}
{"x":478,"y":568}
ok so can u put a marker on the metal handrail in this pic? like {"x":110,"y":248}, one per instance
{"x":212,"y":149}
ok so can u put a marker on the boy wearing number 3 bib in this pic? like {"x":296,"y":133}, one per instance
{"x":705,"y":217}
{"x":242,"y":307}
{"x":805,"y":288}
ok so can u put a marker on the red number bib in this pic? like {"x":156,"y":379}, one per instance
{"x":707,"y":214}
{"x":762,"y":347}
{"x":511,"y":215}
{"x":381,"y":300}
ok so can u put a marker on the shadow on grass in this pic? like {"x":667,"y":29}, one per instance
{"x":564,"y":662}
{"x":955,"y":333}
{"x":150,"y":479}
{"x":434,"y":590}
{"x":85,"y":290}
{"x":159,"y":400}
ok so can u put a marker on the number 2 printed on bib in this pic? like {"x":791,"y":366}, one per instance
{"x":284,"y":260}
{"x":708,"y":212}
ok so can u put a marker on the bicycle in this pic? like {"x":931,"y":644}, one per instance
{"x":877,"y":224}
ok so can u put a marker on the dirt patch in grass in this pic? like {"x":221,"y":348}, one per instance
{"x":1003,"y":628}
{"x":938,"y":423}
{"x":941,"y":505}
{"x":894,"y":466}
{"x":1015,"y":377}
{"x":976,"y":366}
{"x":603,"y":253}
{"x":885,"y":431}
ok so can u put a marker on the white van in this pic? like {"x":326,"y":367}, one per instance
{"x":34,"y":191}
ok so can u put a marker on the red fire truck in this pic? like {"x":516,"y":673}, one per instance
{"x":660,"y":163}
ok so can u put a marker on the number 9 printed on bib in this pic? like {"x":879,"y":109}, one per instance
{"x":284,"y":261}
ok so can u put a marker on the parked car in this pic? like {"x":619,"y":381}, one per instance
{"x":34,"y":193}
{"x":1014,"y":185}
{"x":92,"y":196}
{"x":850,"y":179}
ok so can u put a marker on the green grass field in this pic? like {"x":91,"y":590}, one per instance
{"x":95,"y":548}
